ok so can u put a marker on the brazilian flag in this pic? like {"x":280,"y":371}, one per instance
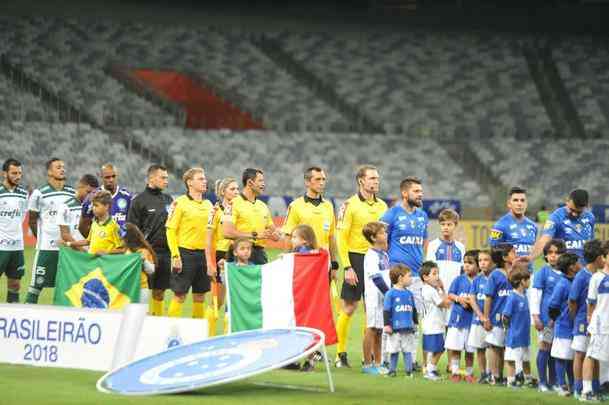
{"x":89,"y":281}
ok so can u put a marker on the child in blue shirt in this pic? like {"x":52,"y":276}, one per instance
{"x":516,"y":318}
{"x":400,"y":319}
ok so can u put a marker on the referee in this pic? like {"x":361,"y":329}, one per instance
{"x":356,"y":212}
{"x":149,"y":211}
{"x":251,"y":217}
{"x":186,"y":231}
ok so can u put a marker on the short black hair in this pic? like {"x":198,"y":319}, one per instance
{"x":153,"y":168}
{"x":592,"y":250}
{"x":51,"y":161}
{"x":409,"y":181}
{"x":90,"y":180}
{"x":559,"y":244}
{"x":516,"y":190}
{"x":579,"y":197}
{"x":565,"y":262}
{"x":250,"y":174}
{"x":472,"y":253}
{"x":426,"y":268}
{"x":10,"y":162}
{"x":499,"y":252}
{"x":308,"y":173}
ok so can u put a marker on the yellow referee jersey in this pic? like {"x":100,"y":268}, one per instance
{"x":215,"y":225}
{"x":248,"y":216}
{"x":187,"y":223}
{"x":104,"y":237}
{"x":320,"y":217}
{"x":354,"y":214}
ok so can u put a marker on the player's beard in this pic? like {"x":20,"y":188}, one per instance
{"x":415,"y":203}
{"x":11,"y":183}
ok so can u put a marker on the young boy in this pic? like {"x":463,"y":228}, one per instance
{"x":477,"y":333}
{"x":598,"y":327}
{"x":445,"y":251}
{"x":376,"y":284}
{"x":435,"y":302}
{"x":593,"y":255}
{"x":104,"y":236}
{"x":516,"y":318}
{"x":400,"y":320}
{"x":461,"y":319}
{"x":544,"y":282}
{"x":558,"y":309}
{"x":497,"y":290}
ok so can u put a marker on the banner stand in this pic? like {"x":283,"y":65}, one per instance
{"x":128,"y":334}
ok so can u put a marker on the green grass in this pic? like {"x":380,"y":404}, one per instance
{"x":25,"y":384}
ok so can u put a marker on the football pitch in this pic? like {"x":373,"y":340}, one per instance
{"x":25,"y":384}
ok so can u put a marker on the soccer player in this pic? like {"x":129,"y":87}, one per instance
{"x":598,"y":327}
{"x":516,"y":318}
{"x":435,"y":301}
{"x":445,"y":250}
{"x":13,"y":204}
{"x":186,"y":228}
{"x":544,"y":282}
{"x":572,"y":223}
{"x":477,"y":333}
{"x":121,"y":200}
{"x":578,"y":294}
{"x":514,"y":227}
{"x":497,"y":290}
{"x":251,"y":217}
{"x":377,"y":283}
{"x":68,"y":216}
{"x":357,"y":211}
{"x":149,"y":211}
{"x":407,"y":228}
{"x":460,"y":319}
{"x":400,"y":319}
{"x":563,"y":324}
{"x":43,"y":204}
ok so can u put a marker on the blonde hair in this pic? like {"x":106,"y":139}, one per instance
{"x":190,"y":174}
{"x":362,"y":170}
{"x":308,"y":234}
{"x":221,"y":185}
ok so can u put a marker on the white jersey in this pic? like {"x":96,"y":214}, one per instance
{"x":376,"y":265}
{"x":598,"y":292}
{"x":46,"y":202}
{"x":433,"y":316}
{"x":69,"y":215}
{"x":449,"y":258}
{"x":13,"y":204}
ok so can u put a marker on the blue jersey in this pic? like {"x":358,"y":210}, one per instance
{"x":520,"y":233}
{"x":545,"y":280}
{"x":579,"y":294}
{"x":121,"y":201}
{"x":477,"y":290}
{"x":574,"y":231}
{"x":400,"y":304}
{"x":406,"y":235}
{"x":563,"y":327}
{"x":498,"y":288}
{"x":460,"y":317}
{"x":519,"y":331}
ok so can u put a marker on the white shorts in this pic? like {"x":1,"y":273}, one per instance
{"x":416,"y":288}
{"x":546,"y":335}
{"x":598,"y":348}
{"x":561,"y":349}
{"x":374,"y":317}
{"x":580,"y":343}
{"x":456,"y":339}
{"x":496,"y":337}
{"x":404,"y":342}
{"x":477,"y":337}
{"x":517,"y":354}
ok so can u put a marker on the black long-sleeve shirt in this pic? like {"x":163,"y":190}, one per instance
{"x":149,"y":211}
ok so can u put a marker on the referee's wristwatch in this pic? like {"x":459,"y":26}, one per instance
{"x":254,"y":235}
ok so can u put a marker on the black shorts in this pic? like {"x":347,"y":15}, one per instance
{"x":193,"y":274}
{"x":258,"y":256}
{"x":12,"y":264}
{"x":160,"y":279}
{"x":354,"y":293}
{"x":219,"y":256}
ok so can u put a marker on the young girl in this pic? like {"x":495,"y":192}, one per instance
{"x":135,"y":242}
{"x":304,"y":240}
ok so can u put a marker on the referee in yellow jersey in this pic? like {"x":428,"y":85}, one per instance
{"x":313,"y":210}
{"x":186,"y":228}
{"x":355,"y":213}
{"x":251,"y":217}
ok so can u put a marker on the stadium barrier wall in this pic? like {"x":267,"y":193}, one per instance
{"x":90,"y":339}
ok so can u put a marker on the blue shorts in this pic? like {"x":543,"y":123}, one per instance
{"x":433,"y":343}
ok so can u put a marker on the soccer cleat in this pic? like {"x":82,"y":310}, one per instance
{"x":342,"y":361}
{"x":432,"y":375}
{"x":317,"y":356}
{"x":391,"y":374}
{"x":514,"y":385}
{"x":308,"y":366}
{"x":409,"y":375}
{"x":543,"y":388}
{"x":561,"y":392}
{"x":531,"y":382}
{"x":588,"y":397}
{"x":382,"y":370}
{"x":416,"y":367}
{"x":293,"y":366}
{"x":470,"y":379}
{"x":456,"y":378}
{"x":372,"y":370}
{"x":484,"y":379}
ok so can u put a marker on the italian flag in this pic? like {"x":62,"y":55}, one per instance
{"x":293,"y":290}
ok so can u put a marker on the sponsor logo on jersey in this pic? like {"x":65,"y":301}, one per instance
{"x":8,"y":242}
{"x":119,"y":217}
{"x":548,"y":225}
{"x":411,"y":240}
{"x":496,"y":234}
{"x":503,"y":293}
{"x":121,"y":203}
{"x":574,"y":244}
{"x":403,"y":308}
{"x":11,"y":214}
